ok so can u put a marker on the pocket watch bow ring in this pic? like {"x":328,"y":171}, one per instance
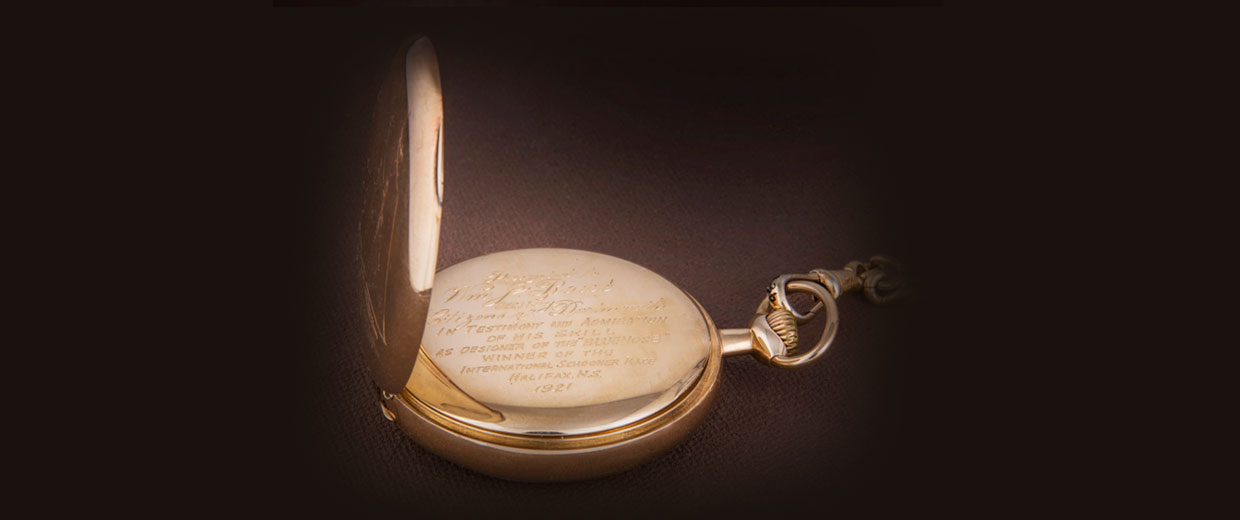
{"x":543,"y":364}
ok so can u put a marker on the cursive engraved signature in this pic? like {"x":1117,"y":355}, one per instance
{"x":500,"y":289}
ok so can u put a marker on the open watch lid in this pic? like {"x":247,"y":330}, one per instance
{"x":403,"y":198}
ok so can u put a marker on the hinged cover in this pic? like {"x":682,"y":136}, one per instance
{"x":400,"y":213}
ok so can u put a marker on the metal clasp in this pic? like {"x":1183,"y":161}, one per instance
{"x":774,"y":328}
{"x":772,"y":334}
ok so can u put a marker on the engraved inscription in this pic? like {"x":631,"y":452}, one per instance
{"x":517,"y":335}
{"x":552,"y":329}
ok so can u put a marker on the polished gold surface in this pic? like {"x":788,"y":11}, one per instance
{"x":543,"y":364}
{"x":553,"y":459}
{"x":642,"y":397}
{"x":399,"y":228}
{"x":556,"y":343}
{"x":736,"y":342}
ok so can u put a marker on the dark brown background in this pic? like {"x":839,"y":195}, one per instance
{"x":719,"y":148}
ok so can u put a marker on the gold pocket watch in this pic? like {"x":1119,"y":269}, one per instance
{"x":543,"y":364}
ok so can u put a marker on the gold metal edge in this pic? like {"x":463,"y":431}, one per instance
{"x":668,"y":415}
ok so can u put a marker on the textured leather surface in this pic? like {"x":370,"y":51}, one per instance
{"x":717,"y":149}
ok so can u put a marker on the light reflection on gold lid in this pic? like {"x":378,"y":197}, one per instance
{"x":399,"y":227}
